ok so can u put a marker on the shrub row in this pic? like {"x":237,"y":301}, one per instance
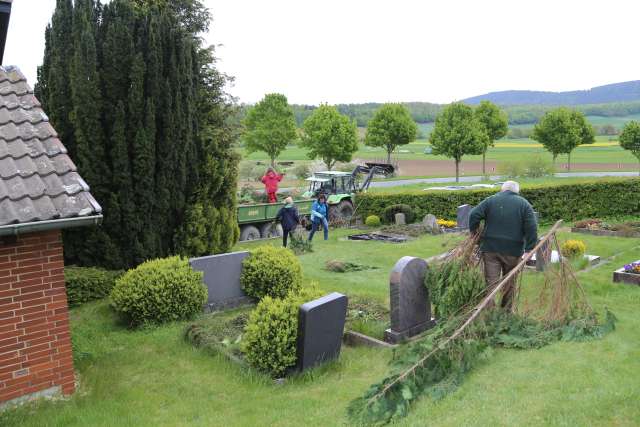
{"x":604,"y":198}
{"x":88,"y":283}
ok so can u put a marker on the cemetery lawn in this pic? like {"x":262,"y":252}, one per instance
{"x":153,"y":377}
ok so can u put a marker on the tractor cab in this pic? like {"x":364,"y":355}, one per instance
{"x":341,"y":187}
{"x":330,"y":183}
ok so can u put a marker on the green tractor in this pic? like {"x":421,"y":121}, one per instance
{"x":340,"y":188}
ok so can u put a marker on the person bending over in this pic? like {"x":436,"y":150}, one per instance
{"x":319,"y":216}
{"x":288,"y":217}
{"x":510,"y":230}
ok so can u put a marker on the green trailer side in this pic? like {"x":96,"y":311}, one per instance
{"x":257,"y":220}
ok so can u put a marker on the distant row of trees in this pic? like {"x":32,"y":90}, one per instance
{"x":459,"y":130}
{"x":519,"y":132}
{"x":326,"y":133}
{"x":424,"y":112}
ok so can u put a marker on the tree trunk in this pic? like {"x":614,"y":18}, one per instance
{"x":483,"y":164}
{"x":273,"y":162}
{"x":569,"y":161}
{"x":389,"y":156}
{"x":457,"y":170}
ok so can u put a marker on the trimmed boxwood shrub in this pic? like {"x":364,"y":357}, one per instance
{"x":270,"y":271}
{"x":158,"y":291}
{"x":372,"y":221}
{"x":389,"y":213}
{"x":602,"y":198}
{"x":88,"y":283}
{"x":269,"y":341}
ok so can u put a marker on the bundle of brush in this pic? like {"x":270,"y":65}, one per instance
{"x":435,"y":364}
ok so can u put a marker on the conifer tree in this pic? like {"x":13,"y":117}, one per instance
{"x":138,"y":102}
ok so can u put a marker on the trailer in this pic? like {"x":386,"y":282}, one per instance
{"x":258,"y":221}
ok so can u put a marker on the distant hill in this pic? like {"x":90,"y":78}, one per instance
{"x":616,"y":92}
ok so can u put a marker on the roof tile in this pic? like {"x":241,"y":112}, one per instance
{"x":38,"y":180}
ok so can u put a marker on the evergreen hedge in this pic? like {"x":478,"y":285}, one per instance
{"x":87,"y":283}
{"x":603,"y":198}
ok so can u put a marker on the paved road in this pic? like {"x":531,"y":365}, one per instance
{"x":467,"y":179}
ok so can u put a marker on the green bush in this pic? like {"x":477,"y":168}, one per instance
{"x":537,"y":167}
{"x":270,"y":271}
{"x":302,"y":171}
{"x":511,"y":169}
{"x":158,"y":291}
{"x":389,"y":213}
{"x":602,"y":198}
{"x":88,"y":283}
{"x":372,"y":221}
{"x":269,"y":340}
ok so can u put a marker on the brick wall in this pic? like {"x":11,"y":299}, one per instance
{"x":35,"y":341}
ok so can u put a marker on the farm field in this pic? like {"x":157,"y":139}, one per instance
{"x":153,"y":377}
{"x":604,"y":155}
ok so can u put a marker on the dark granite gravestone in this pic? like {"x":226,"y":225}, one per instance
{"x":320,"y":330}
{"x":410,"y":305}
{"x":222,"y":278}
{"x":462,"y":217}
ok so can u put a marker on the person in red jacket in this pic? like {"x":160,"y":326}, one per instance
{"x":270,"y":181}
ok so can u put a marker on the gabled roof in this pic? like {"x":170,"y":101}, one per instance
{"x":38,"y":180}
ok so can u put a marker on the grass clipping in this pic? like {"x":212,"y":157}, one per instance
{"x":434,"y":365}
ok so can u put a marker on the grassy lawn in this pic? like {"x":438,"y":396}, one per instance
{"x":153,"y":377}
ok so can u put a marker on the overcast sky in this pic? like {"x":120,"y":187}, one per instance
{"x":351,"y":51}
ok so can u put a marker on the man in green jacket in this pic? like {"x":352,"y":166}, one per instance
{"x":510,"y":230}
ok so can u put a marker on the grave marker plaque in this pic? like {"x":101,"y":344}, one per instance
{"x":222,"y":279}
{"x":400,"y":219}
{"x":410,"y":305}
{"x":320,"y":330}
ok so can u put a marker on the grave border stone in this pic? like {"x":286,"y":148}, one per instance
{"x":619,"y":276}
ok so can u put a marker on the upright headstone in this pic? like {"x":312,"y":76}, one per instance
{"x":543,"y":256}
{"x":537,"y":216}
{"x":430,"y":222}
{"x":222,"y":278}
{"x":400,"y":219}
{"x":320,"y":330}
{"x":410,"y":305}
{"x":462,"y":217}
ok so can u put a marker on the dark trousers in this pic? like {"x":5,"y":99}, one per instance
{"x":496,"y":266}
{"x":285,"y":234}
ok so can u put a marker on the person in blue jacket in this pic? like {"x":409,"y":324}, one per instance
{"x":319,"y":212}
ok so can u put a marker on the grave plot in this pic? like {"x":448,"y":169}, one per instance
{"x":598,"y":227}
{"x":381,"y":237}
{"x":630,"y":273}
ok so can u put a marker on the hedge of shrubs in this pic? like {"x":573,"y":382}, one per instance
{"x":562,"y":201}
{"x":270,"y":271}
{"x":389,"y":213}
{"x":88,"y":283}
{"x":159,"y":291}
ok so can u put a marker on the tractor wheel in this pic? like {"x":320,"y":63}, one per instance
{"x":249,"y":232}
{"x":341,"y":212}
{"x":271,"y":230}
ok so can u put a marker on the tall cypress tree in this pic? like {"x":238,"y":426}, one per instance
{"x":137,"y":100}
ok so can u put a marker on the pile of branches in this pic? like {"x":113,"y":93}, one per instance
{"x":469,"y":324}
